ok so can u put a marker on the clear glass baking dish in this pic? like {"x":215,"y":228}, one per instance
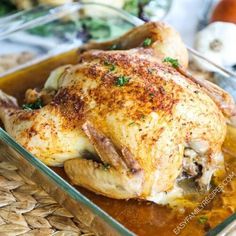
{"x":46,"y":31}
{"x":104,"y":216}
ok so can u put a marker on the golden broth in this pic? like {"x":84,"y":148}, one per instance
{"x":143,"y":218}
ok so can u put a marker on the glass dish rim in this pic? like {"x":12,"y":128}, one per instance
{"x":55,"y":13}
{"x":74,"y":193}
{"x":61,"y":11}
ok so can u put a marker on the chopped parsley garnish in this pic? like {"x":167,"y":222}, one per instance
{"x":122,"y":80}
{"x":106,"y":63}
{"x":111,"y":66}
{"x":132,"y":123}
{"x":106,"y":166}
{"x":151,"y":95}
{"x":33,"y":106}
{"x":143,"y":117}
{"x":147,"y":42}
{"x":172,"y":61}
{"x":202,"y":219}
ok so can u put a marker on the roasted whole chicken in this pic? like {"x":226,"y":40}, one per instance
{"x":127,"y":123}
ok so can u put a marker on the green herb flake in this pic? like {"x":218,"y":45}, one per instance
{"x":202,"y":219}
{"x":132,"y":123}
{"x":147,"y":42}
{"x":106,"y":166}
{"x":111,"y":66}
{"x":122,"y":80}
{"x":33,"y":106}
{"x":151,"y":95}
{"x":106,"y":63}
{"x":172,"y":61}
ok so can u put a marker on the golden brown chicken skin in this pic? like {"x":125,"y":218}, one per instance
{"x":144,"y":122}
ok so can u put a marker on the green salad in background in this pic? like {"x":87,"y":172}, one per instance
{"x":6,"y":7}
{"x":87,"y":28}
{"x":140,"y":8}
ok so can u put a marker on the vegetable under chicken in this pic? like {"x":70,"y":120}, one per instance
{"x":126,"y":123}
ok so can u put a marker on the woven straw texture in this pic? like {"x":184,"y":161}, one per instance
{"x":27,"y":210}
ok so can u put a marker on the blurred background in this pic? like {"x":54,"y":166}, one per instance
{"x":29,"y":28}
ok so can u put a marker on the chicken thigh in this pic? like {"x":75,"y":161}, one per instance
{"x":124,"y":123}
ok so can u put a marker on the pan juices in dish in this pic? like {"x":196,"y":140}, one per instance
{"x":127,"y":123}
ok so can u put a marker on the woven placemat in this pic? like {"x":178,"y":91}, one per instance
{"x":27,"y":210}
